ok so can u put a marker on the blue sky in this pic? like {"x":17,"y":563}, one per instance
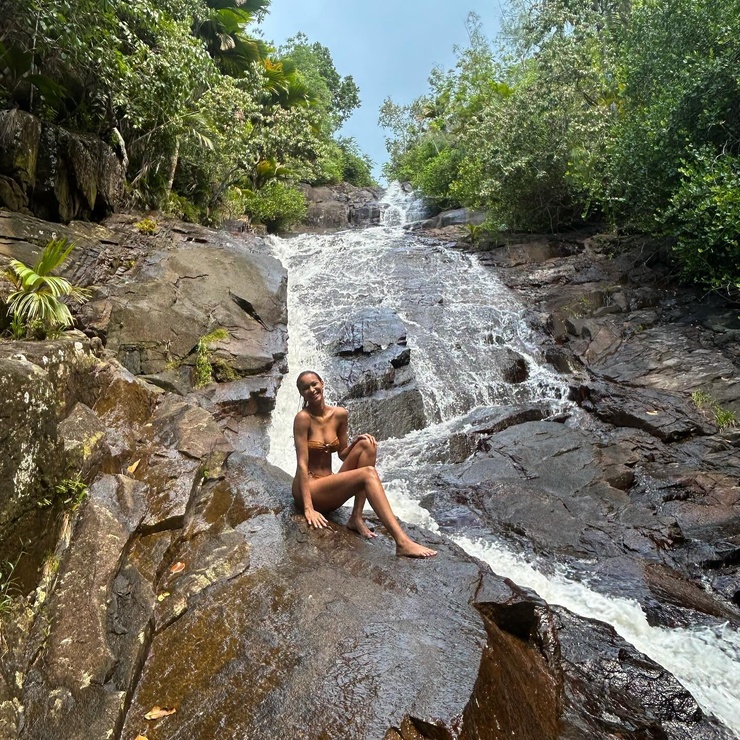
{"x":388,"y":46}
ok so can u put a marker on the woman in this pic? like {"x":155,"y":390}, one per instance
{"x":319,"y":430}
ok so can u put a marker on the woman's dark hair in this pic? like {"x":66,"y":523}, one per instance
{"x":303,"y":375}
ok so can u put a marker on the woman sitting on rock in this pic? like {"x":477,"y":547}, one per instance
{"x":319,"y":430}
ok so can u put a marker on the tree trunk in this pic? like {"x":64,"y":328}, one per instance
{"x":173,"y":167}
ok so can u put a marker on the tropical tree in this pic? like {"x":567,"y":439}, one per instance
{"x":223,"y":32}
{"x":335,"y":95}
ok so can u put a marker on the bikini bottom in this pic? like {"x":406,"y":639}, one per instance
{"x":311,"y":474}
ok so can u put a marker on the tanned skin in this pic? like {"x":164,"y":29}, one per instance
{"x":318,"y":491}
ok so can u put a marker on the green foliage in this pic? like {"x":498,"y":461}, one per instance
{"x":222,"y":371}
{"x":357,"y":168}
{"x":203,"y":363}
{"x":473,"y":234}
{"x":72,"y":492}
{"x":222,"y":30}
{"x":278,"y":206}
{"x":724,"y":418}
{"x":704,"y":216}
{"x":342,"y":161}
{"x":191,"y":100}
{"x":678,"y":82}
{"x":586,"y":109}
{"x":37,"y":296}
{"x":336,"y":96}
{"x":146,"y":226}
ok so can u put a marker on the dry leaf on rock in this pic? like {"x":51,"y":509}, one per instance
{"x":132,"y":468}
{"x":653,"y":413}
{"x":141,"y":737}
{"x":159,"y":712}
{"x":177,"y":567}
{"x":163,"y":596}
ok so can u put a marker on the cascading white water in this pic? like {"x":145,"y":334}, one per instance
{"x":458,"y":317}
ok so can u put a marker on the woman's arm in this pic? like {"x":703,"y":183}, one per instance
{"x":344,"y":448}
{"x":301,"y":428}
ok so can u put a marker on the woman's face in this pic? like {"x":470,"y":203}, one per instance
{"x":311,"y":388}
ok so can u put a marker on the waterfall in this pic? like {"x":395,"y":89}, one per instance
{"x":460,"y":319}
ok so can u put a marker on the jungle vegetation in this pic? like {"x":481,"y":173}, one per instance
{"x":210,"y":120}
{"x":626,"y":111}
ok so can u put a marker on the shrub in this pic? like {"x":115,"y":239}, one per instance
{"x":725,"y":418}
{"x":73,"y":492}
{"x":146,"y":226}
{"x":36,"y":302}
{"x":278,"y":206}
{"x":704,"y":217}
{"x":203,"y":366}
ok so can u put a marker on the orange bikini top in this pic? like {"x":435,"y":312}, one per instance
{"x":314,"y":444}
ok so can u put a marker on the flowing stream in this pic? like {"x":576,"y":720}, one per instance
{"x":458,"y":316}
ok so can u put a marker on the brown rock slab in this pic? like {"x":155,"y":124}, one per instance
{"x":83,"y":436}
{"x":66,"y":692}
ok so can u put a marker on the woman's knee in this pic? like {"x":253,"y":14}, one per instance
{"x":367,"y":448}
{"x":370,"y":474}
{"x":365,"y":444}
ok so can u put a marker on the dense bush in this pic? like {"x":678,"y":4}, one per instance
{"x":704,"y":217}
{"x":277,"y":205}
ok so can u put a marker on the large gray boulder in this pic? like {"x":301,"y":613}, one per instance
{"x":597,"y":506}
{"x":336,"y":207}
{"x":372,"y":375}
{"x":158,"y":318}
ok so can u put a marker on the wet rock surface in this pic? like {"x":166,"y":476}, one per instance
{"x":336,"y":207}
{"x":100,"y":254}
{"x":185,"y":579}
{"x":247,"y":624}
{"x":376,"y":382}
{"x":38,"y":382}
{"x":637,"y":488}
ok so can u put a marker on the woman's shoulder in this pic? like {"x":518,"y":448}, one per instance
{"x":340,"y":412}
{"x":302,"y":418}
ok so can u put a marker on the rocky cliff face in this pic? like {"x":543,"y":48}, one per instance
{"x":336,"y":207}
{"x":639,"y":489}
{"x":56,"y":174}
{"x":184,"y":579}
{"x":188,"y":582}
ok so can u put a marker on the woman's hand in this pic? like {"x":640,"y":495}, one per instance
{"x":315,"y":519}
{"x":367,"y":437}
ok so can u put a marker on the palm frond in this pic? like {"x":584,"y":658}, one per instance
{"x":56,"y":286}
{"x":38,"y":295}
{"x":21,"y":276}
{"x":55,"y":252}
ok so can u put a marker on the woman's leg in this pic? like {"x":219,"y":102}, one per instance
{"x":363,"y":455}
{"x":331,"y":492}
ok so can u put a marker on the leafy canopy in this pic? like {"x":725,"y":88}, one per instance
{"x":584,"y":109}
{"x":192,"y":99}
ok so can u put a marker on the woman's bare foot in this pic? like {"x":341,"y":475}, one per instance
{"x":357,"y":524}
{"x":413,"y":549}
